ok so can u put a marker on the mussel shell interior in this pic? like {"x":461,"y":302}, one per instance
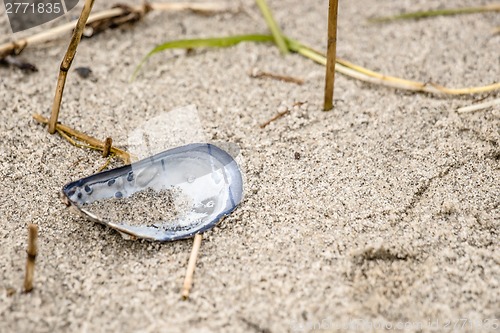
{"x":206,"y":177}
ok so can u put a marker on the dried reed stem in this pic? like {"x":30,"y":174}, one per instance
{"x":66,"y":63}
{"x":331,"y":54}
{"x":188,"y":281}
{"x":366,"y":75}
{"x":30,"y":261}
{"x":93,"y":142}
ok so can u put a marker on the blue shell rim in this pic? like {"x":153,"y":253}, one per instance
{"x":211,"y":149}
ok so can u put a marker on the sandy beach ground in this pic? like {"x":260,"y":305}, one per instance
{"x":384,"y":211}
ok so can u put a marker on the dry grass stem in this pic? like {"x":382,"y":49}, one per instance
{"x":429,"y":87}
{"x":439,"y":12}
{"x":16,"y":47}
{"x":284,"y":78}
{"x":92,"y":142}
{"x":32,"y":252}
{"x":188,"y":280}
{"x":66,"y":63}
{"x":480,"y":106}
{"x":331,"y":55}
{"x":105,"y":165}
{"x":366,"y":75}
{"x":276,"y":117}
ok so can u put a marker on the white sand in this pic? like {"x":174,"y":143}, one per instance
{"x":391,"y":214}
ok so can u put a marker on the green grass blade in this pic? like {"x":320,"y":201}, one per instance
{"x":209,"y":42}
{"x":202,"y":42}
{"x":290,"y":44}
{"x":438,"y":12}
{"x":273,"y":26}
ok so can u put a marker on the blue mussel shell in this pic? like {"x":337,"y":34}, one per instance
{"x":207,"y":175}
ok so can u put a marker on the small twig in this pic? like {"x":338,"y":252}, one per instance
{"x":478,"y":107}
{"x":438,"y":12}
{"x":107,"y":147}
{"x":201,"y":7}
{"x":105,"y":165}
{"x":284,"y":78}
{"x":273,"y":26}
{"x":32,"y":252}
{"x":188,"y":280}
{"x":299,"y":103}
{"x":331,"y":55}
{"x":276,"y":117}
{"x":66,"y":63}
{"x":91,"y":141}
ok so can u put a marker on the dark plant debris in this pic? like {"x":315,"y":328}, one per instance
{"x":83,"y":72}
{"x":18,"y":62}
{"x":283,"y":78}
{"x":276,"y":117}
{"x":129,"y":16}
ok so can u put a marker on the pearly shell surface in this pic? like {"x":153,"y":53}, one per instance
{"x":205,"y":174}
